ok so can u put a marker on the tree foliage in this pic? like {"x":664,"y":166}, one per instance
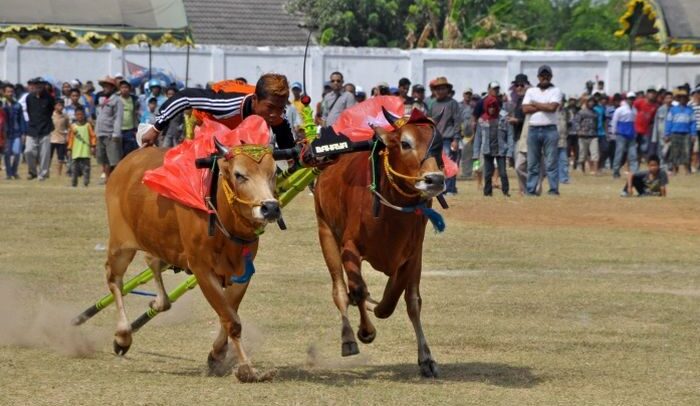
{"x":510,"y":24}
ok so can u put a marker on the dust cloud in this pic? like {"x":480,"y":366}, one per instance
{"x":28,"y":320}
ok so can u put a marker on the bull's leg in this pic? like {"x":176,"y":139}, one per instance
{"x":395,"y":286}
{"x":331,"y":253}
{"x":352,"y":262}
{"x":118,"y":261}
{"x":161,"y":303}
{"x":428,"y":366}
{"x":217,"y":362}
{"x":230,"y":322}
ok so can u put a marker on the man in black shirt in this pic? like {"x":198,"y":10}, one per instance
{"x":40,"y":105}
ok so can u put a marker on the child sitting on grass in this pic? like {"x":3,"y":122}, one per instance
{"x":647,"y":183}
{"x":81,"y":144}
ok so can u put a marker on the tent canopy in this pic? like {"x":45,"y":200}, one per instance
{"x":674,"y":23}
{"x":96,"y":22}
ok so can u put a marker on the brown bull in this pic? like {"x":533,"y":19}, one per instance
{"x":171,"y":233}
{"x":392,"y":243}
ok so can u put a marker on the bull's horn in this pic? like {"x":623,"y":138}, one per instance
{"x":221,"y":149}
{"x":390,"y":118}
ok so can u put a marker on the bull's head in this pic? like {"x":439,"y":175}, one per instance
{"x":415,"y":150}
{"x":250,"y":173}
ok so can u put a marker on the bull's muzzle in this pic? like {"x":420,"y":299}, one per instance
{"x":433,"y":183}
{"x":270,"y":210}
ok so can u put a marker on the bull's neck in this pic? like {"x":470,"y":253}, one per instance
{"x":231,"y":218}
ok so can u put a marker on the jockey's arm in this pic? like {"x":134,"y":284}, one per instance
{"x":217,"y":103}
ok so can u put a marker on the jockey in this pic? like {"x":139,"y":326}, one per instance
{"x":268,"y":101}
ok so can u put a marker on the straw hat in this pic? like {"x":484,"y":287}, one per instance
{"x":107,"y":80}
{"x":440,"y":81}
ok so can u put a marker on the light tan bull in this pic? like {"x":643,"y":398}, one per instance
{"x":171,"y":233}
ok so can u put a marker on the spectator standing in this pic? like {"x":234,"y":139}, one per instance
{"x":586,"y":127}
{"x":81,"y":145}
{"x":336,"y":101}
{"x":571,"y":137}
{"x":659,"y":130}
{"x":74,"y":102}
{"x":149,"y":116}
{"x":130,"y":119}
{"x":61,"y":124}
{"x":563,"y":147}
{"x":610,"y":130}
{"x":15,"y":129}
{"x":625,"y":138}
{"x":542,"y":102}
{"x":404,"y":88}
{"x":418,"y":95}
{"x":37,"y":150}
{"x":600,"y":103}
{"x":110,"y":112}
{"x":680,"y":128}
{"x":643,"y":121}
{"x":493,"y":141}
{"x":447,"y":110}
{"x":296,"y":95}
{"x":467,"y":132}
{"x":89,"y":94}
{"x":695,"y":148}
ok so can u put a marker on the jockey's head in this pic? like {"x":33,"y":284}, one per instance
{"x":270,"y":98}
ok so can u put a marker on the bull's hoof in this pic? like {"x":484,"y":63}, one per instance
{"x":350,"y":348}
{"x":121,"y":350}
{"x":248,"y":374}
{"x":219,"y":367}
{"x":365,"y":337}
{"x":429,"y":368}
{"x":160,"y":307}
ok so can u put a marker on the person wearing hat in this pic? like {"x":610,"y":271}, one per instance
{"x":680,"y":128}
{"x":447,"y":110}
{"x":541,"y":103}
{"x":625,"y":137}
{"x":297,"y":89}
{"x":646,"y":110}
{"x":37,"y":150}
{"x":360,"y":94}
{"x":109,"y":112}
{"x":336,"y":101}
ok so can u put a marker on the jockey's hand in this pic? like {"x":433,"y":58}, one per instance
{"x":149,"y":137}
{"x":308,"y":159}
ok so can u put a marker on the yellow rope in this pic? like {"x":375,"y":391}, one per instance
{"x":231,"y":196}
{"x":390,"y":173}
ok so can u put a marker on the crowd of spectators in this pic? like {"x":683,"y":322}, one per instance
{"x":532,"y":128}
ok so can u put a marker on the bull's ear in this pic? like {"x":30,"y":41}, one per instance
{"x":387,"y":138}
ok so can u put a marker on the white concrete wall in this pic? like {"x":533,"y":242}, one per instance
{"x":363,"y":66}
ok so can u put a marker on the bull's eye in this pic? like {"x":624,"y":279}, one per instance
{"x":405,"y":145}
{"x":240,"y":177}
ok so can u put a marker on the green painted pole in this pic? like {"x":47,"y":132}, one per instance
{"x":107,"y":300}
{"x":181,"y":289}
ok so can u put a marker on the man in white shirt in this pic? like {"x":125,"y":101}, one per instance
{"x":541,"y":103}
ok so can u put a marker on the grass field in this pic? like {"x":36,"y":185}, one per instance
{"x":585,"y":299}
